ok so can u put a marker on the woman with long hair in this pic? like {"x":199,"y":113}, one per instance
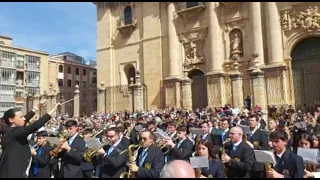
{"x":16,"y":154}
{"x":215,"y":169}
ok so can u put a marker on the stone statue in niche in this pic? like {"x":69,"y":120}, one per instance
{"x":236,"y":44}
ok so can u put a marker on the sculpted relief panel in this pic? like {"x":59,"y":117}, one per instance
{"x":305,"y":19}
{"x":193,"y":42}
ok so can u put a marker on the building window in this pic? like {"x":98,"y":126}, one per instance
{"x":69,"y":70}
{"x":69,"y":83}
{"x":7,"y":59}
{"x":64,"y":58}
{"x":33,"y":62}
{"x":77,"y":71}
{"x":84,"y":84}
{"x":127,"y":15}
{"x":84,"y":72}
{"x":192,"y":4}
{"x":60,"y":69}
{"x":77,"y":83}
{"x":33,"y":78}
{"x":60,"y":82}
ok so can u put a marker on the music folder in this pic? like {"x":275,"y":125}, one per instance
{"x":92,"y":143}
{"x":245,"y":129}
{"x":309,"y":154}
{"x":160,"y":135}
{"x":264,"y":156}
{"x":197,"y":131}
{"x":53,"y":140}
{"x":199,"y":162}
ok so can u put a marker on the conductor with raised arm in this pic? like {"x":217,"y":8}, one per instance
{"x":16,"y":157}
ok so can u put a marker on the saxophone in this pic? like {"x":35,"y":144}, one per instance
{"x":131,"y":160}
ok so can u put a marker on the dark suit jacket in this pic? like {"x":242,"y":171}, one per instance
{"x":242,"y":168}
{"x":72,"y":160}
{"x":215,"y":131}
{"x":125,"y":141}
{"x":262,"y":138}
{"x":114,"y":164}
{"x":43,"y":160}
{"x":291,"y":165}
{"x":215,"y":170}
{"x":226,"y":135}
{"x":184,"y":152}
{"x":16,"y":151}
{"x":155,"y":158}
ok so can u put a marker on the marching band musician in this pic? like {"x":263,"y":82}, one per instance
{"x":289,"y":164}
{"x":239,"y":156}
{"x":225,"y":129}
{"x":87,"y":167}
{"x":215,"y":169}
{"x":112,"y":162}
{"x":73,"y":149}
{"x":123,"y":139}
{"x":172,"y":135}
{"x":257,"y":139}
{"x":130,"y":128}
{"x":40,"y":167}
{"x":15,"y":161}
{"x":150,"y":159}
{"x":182,"y":150}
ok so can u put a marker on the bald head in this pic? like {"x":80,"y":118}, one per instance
{"x":177,"y":169}
{"x":235,"y":134}
{"x":236,"y":130}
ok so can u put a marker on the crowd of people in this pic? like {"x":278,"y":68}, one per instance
{"x":168,"y":143}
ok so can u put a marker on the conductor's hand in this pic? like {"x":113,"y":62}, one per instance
{"x":42,"y":103}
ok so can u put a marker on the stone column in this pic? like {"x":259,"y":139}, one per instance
{"x":173,"y":42}
{"x":76,"y":102}
{"x":137,"y":93}
{"x":62,"y":107}
{"x":215,"y":36}
{"x":258,"y":85}
{"x":186,"y":92}
{"x":237,"y":85}
{"x":102,"y":99}
{"x":256,"y":26}
{"x":178,"y":94}
{"x":274,"y":34}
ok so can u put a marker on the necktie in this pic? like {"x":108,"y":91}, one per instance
{"x":70,"y":141}
{"x":36,"y":165}
{"x":179,"y":144}
{"x":234,"y":148}
{"x":142,"y":157}
{"x":110,"y":150}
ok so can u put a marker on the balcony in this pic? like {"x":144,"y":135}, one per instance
{"x":33,"y":67}
{"x":19,"y":100}
{"x":128,"y":27}
{"x":20,"y":65}
{"x":7,"y":63}
{"x":185,"y":11}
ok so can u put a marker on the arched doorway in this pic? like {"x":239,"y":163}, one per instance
{"x":130,"y":72}
{"x":306,"y":72}
{"x":199,"y":89}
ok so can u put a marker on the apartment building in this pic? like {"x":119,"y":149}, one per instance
{"x":66,"y":70}
{"x":20,"y":74}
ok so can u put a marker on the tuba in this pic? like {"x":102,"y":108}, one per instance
{"x":131,"y":160}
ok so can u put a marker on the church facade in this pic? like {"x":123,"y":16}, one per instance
{"x":207,"y":54}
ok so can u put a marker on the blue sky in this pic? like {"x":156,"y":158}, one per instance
{"x":52,"y":27}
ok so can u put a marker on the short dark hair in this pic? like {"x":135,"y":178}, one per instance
{"x":115,"y":129}
{"x":10,"y":113}
{"x":253,"y":116}
{"x":42,"y":134}
{"x":279,"y":134}
{"x":71,"y":123}
{"x":182,"y":128}
{"x":204,"y":122}
{"x":151,"y":135}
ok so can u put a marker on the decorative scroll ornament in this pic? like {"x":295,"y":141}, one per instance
{"x":231,"y":6}
{"x":193,"y":43}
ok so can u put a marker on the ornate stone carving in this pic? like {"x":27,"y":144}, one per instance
{"x":126,"y":29}
{"x":231,"y":6}
{"x":236,"y":23}
{"x":307,"y":19}
{"x":193,"y":42}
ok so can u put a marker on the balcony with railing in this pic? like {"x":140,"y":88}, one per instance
{"x":20,"y":65}
{"x":7,"y":94}
{"x":126,"y":25}
{"x":33,"y":63}
{"x":33,"y":79}
{"x":7,"y":60}
{"x":7,"y":77}
{"x":189,"y":9}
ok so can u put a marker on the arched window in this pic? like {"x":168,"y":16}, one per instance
{"x":127,"y":15}
{"x":60,"y":69}
{"x":69,"y":70}
{"x":192,"y":4}
{"x":84,"y":72}
{"x":77,"y":71}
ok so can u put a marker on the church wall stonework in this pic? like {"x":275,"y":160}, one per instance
{"x":166,"y":40}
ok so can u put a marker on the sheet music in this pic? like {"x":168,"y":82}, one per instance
{"x":309,"y":154}
{"x":265,"y":156}
{"x":199,"y":161}
{"x":92,"y":143}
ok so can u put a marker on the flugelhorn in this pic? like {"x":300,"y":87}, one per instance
{"x":58,"y":149}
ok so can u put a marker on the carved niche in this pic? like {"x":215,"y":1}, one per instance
{"x":307,"y":19}
{"x":193,"y":42}
{"x":236,"y":44}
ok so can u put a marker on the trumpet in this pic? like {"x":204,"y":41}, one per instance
{"x":131,"y":160}
{"x":58,"y":149}
{"x":87,"y":156}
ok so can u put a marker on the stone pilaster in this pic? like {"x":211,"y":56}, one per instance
{"x":137,"y":93}
{"x":172,"y":92}
{"x":215,"y":36}
{"x":76,"y":102}
{"x":102,"y":98}
{"x":62,"y":107}
{"x":215,"y":90}
{"x":173,"y":42}
{"x":237,"y":90}
{"x":256,"y":27}
{"x":274,"y":34}
{"x":186,"y":93}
